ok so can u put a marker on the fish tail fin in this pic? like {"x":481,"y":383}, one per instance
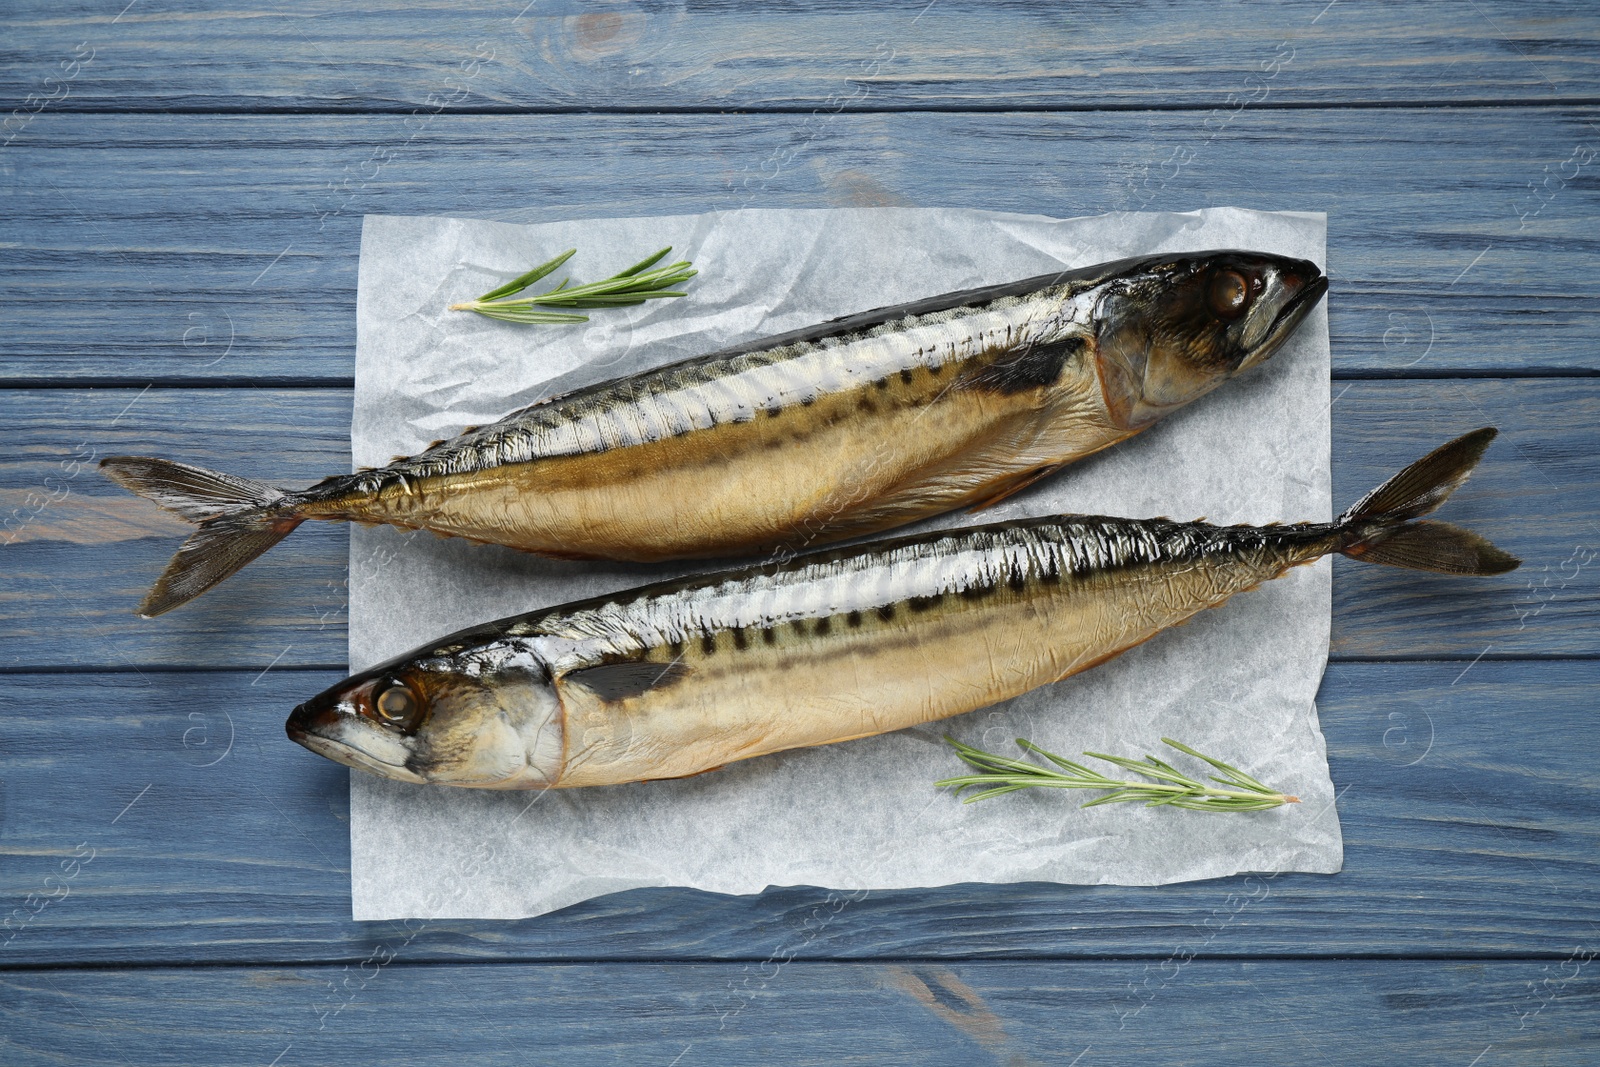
{"x":1386,"y":525}
{"x":238,"y":518}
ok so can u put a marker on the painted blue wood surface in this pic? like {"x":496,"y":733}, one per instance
{"x":84,"y":551}
{"x":1207,"y":1014}
{"x":223,"y":248}
{"x":725,"y":55}
{"x":1469,"y":803}
{"x":182,"y":205}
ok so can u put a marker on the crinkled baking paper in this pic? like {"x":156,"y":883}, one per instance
{"x":1237,"y":682}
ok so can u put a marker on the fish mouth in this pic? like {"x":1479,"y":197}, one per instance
{"x":317,"y":729}
{"x":1293,"y":312}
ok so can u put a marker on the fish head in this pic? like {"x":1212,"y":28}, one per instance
{"x":1173,"y":328}
{"x":430,"y":719}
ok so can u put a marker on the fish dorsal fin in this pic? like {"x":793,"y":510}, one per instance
{"x":629,"y":678}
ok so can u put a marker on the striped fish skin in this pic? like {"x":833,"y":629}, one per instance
{"x":852,"y":427}
{"x":683,"y":677}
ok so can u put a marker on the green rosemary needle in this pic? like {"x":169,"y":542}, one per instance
{"x":633,"y":286}
{"x":1233,"y":790}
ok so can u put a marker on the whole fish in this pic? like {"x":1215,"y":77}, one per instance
{"x":682,"y":677}
{"x":851,"y":427}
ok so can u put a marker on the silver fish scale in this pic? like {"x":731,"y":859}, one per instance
{"x":734,"y":385}
{"x":928,"y":566}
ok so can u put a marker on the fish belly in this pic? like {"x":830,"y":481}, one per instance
{"x":842,"y":466}
{"x":821,"y":681}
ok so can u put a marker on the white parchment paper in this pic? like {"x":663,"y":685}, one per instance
{"x":1237,"y":682}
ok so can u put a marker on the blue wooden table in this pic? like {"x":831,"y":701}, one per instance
{"x":183,"y":190}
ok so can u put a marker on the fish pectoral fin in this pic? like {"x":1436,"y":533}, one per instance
{"x":680,"y":777}
{"x":1015,"y":487}
{"x":553,"y":553}
{"x":629,"y":678}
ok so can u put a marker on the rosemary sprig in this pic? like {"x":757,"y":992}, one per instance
{"x":633,"y":286}
{"x":1233,"y":790}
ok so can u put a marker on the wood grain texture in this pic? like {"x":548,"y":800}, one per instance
{"x":223,"y":248}
{"x":1468,"y":798}
{"x":1016,"y":1014}
{"x":75,"y":575}
{"x":564,"y":54}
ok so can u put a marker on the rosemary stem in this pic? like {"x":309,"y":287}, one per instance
{"x":1040,"y":782}
{"x":1163,"y":785}
{"x":635,"y":285}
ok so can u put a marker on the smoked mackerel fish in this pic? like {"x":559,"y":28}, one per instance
{"x":848,"y":428}
{"x":682,"y":677}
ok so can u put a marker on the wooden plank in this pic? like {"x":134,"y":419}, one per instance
{"x":1470,"y":809}
{"x":69,"y":530}
{"x":81,"y":552}
{"x":223,"y":248}
{"x":849,"y":55}
{"x":1353,"y":1011}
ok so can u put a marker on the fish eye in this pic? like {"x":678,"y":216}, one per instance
{"x":1230,"y":293}
{"x":394,"y":703}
